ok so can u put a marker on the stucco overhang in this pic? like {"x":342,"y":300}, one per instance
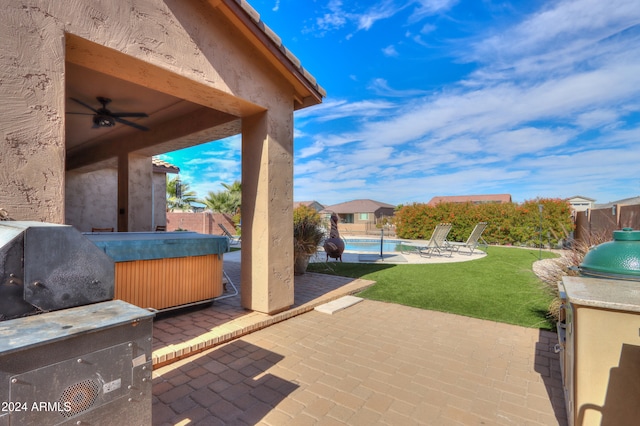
{"x":182,"y":111}
{"x":245,"y":17}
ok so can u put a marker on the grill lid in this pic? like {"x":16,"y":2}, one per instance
{"x":618,"y":259}
{"x":46,"y":267}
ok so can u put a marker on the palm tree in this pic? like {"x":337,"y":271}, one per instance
{"x":228,"y":201}
{"x":179,"y":200}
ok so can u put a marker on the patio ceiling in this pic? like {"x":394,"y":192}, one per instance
{"x":173,"y":123}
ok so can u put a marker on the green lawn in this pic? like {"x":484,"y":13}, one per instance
{"x":499,"y":287}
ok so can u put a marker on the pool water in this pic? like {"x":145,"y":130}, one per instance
{"x":371,"y":245}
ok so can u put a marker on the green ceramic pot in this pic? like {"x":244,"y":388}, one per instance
{"x":619,"y":259}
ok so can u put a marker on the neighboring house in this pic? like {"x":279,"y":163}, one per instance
{"x":474,"y":199}
{"x":188,"y":72}
{"x":313,"y":204}
{"x":626,"y":201}
{"x":579,"y":203}
{"x":91,"y":193}
{"x":359,"y":216}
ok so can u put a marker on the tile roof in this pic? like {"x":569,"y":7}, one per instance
{"x":277,"y":41}
{"x":161,"y":166}
{"x":358,"y":206}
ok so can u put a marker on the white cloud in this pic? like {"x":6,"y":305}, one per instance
{"x":314,"y":149}
{"x":336,"y":17}
{"x":380,"y":11}
{"x":426,"y":8}
{"x":390,"y":51}
{"x":381,"y":87}
{"x":334,"y":110}
{"x":596,"y":118}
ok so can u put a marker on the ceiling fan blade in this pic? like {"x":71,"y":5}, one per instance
{"x":85,"y":105}
{"x":130,"y":123}
{"x":128,"y":114}
{"x":80,"y":113}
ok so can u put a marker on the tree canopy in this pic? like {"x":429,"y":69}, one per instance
{"x":186,"y":198}
{"x":228,"y":201}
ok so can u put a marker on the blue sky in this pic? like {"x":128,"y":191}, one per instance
{"x":442,"y":97}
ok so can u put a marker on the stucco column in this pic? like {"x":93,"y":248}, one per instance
{"x":140,"y":193}
{"x":32,"y":150}
{"x":267,"y":212}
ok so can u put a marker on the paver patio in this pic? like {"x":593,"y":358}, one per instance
{"x":372,"y":363}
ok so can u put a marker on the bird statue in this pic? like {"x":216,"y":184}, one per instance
{"x":334,"y":245}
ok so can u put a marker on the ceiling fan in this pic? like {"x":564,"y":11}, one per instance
{"x":102,"y":117}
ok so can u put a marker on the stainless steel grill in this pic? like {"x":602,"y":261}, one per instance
{"x":69,"y":354}
{"x":45,"y":267}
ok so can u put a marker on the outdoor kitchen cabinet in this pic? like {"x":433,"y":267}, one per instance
{"x":600,"y":350}
{"x":164,"y":270}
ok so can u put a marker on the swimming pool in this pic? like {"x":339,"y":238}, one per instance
{"x":371,"y":245}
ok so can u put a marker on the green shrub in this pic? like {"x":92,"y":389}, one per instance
{"x":307,"y":232}
{"x":508,"y":223}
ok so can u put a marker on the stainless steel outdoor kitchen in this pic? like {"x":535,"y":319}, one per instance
{"x":69,"y":354}
{"x":599,"y":334}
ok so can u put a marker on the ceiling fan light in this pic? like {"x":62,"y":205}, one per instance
{"x":104,"y":121}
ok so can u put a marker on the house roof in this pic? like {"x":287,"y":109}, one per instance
{"x":160,"y":166}
{"x":581,"y":197}
{"x":483,"y":198}
{"x":358,"y":206}
{"x":297,"y":204}
{"x":625,"y":201}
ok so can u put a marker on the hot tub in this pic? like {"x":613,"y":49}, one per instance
{"x":164,"y":270}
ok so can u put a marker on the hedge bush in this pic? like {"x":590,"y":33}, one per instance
{"x":508,"y":223}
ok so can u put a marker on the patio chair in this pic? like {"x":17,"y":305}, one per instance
{"x":472,"y":242}
{"x":233,"y":239}
{"x":436,"y":244}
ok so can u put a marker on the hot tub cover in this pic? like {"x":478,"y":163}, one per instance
{"x":130,"y":246}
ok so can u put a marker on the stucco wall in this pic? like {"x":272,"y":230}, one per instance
{"x":31,"y":111}
{"x":140,"y":194}
{"x":90,"y":198}
{"x":159,"y":200}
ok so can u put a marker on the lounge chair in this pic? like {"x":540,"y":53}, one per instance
{"x":472,"y":242}
{"x":233,"y":239}
{"x":437,"y":243}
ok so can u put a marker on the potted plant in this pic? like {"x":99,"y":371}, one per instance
{"x":307,"y":235}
